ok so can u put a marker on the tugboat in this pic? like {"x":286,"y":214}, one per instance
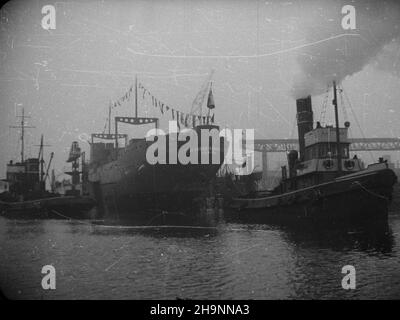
{"x":323,"y":182}
{"x":25,"y":194}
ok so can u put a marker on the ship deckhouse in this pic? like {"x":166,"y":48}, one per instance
{"x":318,"y":159}
{"x":321,"y":143}
{"x":320,"y":153}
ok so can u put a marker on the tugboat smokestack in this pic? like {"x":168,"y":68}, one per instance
{"x":304,"y":121}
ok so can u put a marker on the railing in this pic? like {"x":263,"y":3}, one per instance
{"x":357,"y":144}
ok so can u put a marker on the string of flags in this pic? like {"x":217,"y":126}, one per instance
{"x":182,"y":118}
{"x":124,"y":98}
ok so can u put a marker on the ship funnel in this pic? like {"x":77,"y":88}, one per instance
{"x":304,"y":121}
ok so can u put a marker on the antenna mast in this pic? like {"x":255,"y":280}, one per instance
{"x":109,"y":119}
{"x":136,"y":106}
{"x":22,"y":126}
{"x":338,"y":149}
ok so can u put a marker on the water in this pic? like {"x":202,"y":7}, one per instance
{"x":230,"y":261}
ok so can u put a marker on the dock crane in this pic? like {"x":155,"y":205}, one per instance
{"x":42,"y":174}
{"x":75,"y":154}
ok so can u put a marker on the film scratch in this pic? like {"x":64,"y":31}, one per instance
{"x":200,"y":156}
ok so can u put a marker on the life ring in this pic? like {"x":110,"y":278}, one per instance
{"x":349,"y":164}
{"x":328,"y":164}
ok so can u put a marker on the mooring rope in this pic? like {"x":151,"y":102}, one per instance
{"x":73,"y":219}
{"x":164,"y":213}
{"x":371,"y":192}
{"x":157,"y":226}
{"x":129,"y":227}
{"x":61,"y":215}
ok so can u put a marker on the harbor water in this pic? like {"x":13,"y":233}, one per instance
{"x":227,"y":261}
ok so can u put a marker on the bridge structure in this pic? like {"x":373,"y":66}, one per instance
{"x":357,"y":144}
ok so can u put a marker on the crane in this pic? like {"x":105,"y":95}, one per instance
{"x":74,"y":155}
{"x":48,"y":167}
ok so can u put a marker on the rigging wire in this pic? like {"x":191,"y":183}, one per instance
{"x":105,"y":126}
{"x":324,"y":105}
{"x":356,"y":119}
{"x":291,"y":133}
{"x":342,"y":103}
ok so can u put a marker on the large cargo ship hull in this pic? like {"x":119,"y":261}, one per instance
{"x":130,"y":186}
{"x":154,"y":188}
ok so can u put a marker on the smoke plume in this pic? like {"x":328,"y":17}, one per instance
{"x":333,"y":53}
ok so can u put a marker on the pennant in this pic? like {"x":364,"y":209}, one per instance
{"x":210,"y":101}
{"x":200,"y":97}
{"x":181,"y":117}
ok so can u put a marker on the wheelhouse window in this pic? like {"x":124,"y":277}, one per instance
{"x":326,"y":150}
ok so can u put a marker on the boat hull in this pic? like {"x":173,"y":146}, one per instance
{"x":129,"y":186}
{"x":357,"y":197}
{"x":67,"y":207}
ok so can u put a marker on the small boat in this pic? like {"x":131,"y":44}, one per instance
{"x":323,"y":183}
{"x":24,"y":193}
{"x":64,"y":207}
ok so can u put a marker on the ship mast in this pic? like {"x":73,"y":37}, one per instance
{"x":22,"y":134}
{"x":338,"y":149}
{"x":22,"y":126}
{"x":41,"y":160}
{"x":136,"y":106}
{"x":109,"y":119}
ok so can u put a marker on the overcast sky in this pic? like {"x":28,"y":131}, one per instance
{"x":260,"y":50}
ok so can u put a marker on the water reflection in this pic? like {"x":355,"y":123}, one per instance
{"x":14,"y":229}
{"x":374,"y":237}
{"x":154,"y":231}
{"x":113,"y":259}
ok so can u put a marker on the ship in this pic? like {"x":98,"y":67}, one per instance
{"x":24,"y":193}
{"x":321,"y":181}
{"x":126,"y":185}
